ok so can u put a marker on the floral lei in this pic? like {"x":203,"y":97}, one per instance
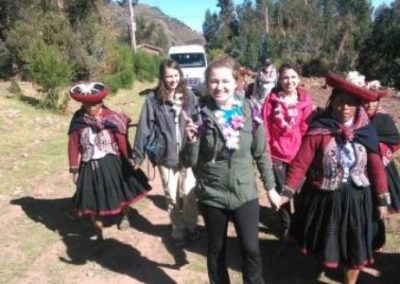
{"x":290,"y":119}
{"x":231,"y":124}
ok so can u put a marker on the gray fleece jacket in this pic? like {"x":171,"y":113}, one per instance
{"x":155,"y":113}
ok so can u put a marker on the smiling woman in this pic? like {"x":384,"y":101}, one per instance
{"x":339,"y":155}
{"x":162,"y":121}
{"x":221,"y":147}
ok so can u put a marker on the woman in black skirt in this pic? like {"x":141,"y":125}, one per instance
{"x":98,"y":156}
{"x":389,"y":143}
{"x":340,"y":157}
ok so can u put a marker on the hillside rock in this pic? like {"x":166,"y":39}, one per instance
{"x":177,"y":32}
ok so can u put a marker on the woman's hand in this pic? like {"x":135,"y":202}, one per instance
{"x":284,"y":199}
{"x":191,"y":129}
{"x":383,"y":212}
{"x":75,"y":177}
{"x":133,"y":164}
{"x":275,"y":198}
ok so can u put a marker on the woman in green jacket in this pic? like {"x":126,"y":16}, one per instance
{"x":221,"y":147}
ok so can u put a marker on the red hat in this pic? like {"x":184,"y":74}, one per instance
{"x":87,"y":92}
{"x":361,"y":92}
{"x":383,"y":94}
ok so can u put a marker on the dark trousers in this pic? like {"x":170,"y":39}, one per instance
{"x":280,"y":169}
{"x":245,"y":219}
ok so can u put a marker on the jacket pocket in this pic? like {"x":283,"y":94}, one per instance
{"x":246,"y":188}
{"x":245,"y":180}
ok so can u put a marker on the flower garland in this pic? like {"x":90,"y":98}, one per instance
{"x":291,"y":115}
{"x":232,"y":121}
{"x":358,"y":79}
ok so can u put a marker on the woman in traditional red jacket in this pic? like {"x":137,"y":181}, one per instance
{"x":98,"y":157}
{"x":340,"y":157}
{"x":389,"y":143}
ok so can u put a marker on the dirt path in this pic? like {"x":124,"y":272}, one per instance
{"x":41,"y":241}
{"x":142,"y":254}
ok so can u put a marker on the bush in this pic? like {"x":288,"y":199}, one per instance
{"x":146,"y":66}
{"x":50,"y":69}
{"x":214,"y":53}
{"x":5,"y":61}
{"x":316,"y":67}
{"x":122,"y":67}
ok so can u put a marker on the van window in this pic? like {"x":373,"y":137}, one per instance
{"x":187,"y":60}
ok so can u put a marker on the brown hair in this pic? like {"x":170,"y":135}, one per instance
{"x":223,"y":61}
{"x":161,"y":89}
{"x":334,"y":95}
{"x":287,"y":66}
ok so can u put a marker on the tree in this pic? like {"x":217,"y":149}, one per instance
{"x":211,"y":26}
{"x":227,"y":18}
{"x":380,"y":57}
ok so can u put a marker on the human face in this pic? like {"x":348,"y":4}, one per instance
{"x":371,"y":107}
{"x":221,"y":86}
{"x":344,"y":107}
{"x":93,"y":109}
{"x":289,"y":80}
{"x":171,"y":78}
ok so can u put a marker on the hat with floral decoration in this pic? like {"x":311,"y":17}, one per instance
{"x":355,"y":85}
{"x":88,"y":92}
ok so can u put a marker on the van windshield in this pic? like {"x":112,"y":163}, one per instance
{"x":186,"y":60}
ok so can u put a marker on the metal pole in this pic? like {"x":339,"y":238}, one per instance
{"x":132,"y":25}
{"x":266,"y":17}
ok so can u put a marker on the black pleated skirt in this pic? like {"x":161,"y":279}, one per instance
{"x":335,"y":226}
{"x":105,"y":186}
{"x":394,"y":186}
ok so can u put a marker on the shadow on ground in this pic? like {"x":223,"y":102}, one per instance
{"x":110,"y":254}
{"x":282,"y":263}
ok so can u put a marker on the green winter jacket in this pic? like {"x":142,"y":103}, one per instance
{"x":223,"y":180}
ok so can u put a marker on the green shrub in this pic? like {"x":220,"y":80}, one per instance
{"x":50,"y":68}
{"x":214,"y":53}
{"x":5,"y":61}
{"x":123,"y":72}
{"x":146,"y":66}
{"x":316,"y":67}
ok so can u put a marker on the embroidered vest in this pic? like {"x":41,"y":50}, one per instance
{"x":331,"y":173}
{"x":103,"y":142}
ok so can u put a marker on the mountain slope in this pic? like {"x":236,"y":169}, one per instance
{"x":153,"y":26}
{"x":177,"y":31}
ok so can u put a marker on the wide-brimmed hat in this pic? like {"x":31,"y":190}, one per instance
{"x":88,"y":92}
{"x":355,"y":85}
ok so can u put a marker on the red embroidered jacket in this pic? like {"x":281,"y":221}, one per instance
{"x":317,"y":158}
{"x":113,"y":141}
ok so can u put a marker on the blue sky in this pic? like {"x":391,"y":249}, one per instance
{"x":193,"y":14}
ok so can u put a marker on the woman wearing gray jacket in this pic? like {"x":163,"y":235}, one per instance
{"x":163,"y":113}
{"x":221,"y":147}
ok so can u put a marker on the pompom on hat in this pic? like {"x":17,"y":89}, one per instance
{"x":355,"y":85}
{"x":88,"y":92}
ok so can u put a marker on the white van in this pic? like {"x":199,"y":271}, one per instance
{"x":193,"y":62}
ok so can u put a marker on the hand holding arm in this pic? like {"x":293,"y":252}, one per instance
{"x":275,"y":198}
{"x":134,"y":165}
